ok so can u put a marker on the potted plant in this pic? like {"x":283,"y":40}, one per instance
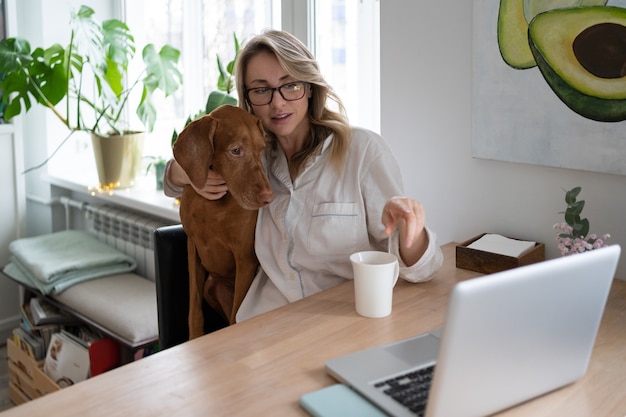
{"x":88,"y":88}
{"x":225,"y":82}
{"x":574,"y":236}
{"x":225,"y":85}
{"x":158,"y":163}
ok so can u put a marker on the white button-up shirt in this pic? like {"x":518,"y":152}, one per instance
{"x":305,"y":236}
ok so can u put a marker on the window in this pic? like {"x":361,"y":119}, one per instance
{"x":343,"y":34}
{"x":345,"y":41}
{"x":201,"y":30}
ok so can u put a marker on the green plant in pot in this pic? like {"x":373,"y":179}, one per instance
{"x":158,"y":164}
{"x":87,"y":86}
{"x":225,"y":86}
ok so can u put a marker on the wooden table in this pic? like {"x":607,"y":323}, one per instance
{"x":262,"y":366}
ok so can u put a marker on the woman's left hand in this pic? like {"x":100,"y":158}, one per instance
{"x":409,"y":217}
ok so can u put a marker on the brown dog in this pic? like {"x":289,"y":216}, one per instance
{"x":222,"y":261}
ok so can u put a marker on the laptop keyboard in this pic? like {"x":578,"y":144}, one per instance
{"x":410,"y":389}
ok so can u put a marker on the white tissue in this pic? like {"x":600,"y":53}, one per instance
{"x":502,"y":245}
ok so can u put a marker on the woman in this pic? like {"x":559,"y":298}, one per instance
{"x":336,"y":187}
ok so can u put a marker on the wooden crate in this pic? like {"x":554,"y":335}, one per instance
{"x":488,"y":263}
{"x":27,"y":379}
{"x":16,"y":394}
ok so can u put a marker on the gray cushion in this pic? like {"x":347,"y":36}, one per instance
{"x":125,"y":304}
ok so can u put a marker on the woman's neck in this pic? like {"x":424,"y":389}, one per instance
{"x":294,"y":142}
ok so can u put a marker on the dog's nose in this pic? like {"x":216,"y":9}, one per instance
{"x":266,"y":197}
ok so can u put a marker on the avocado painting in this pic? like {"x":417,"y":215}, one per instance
{"x":514,"y":17}
{"x":581,"y":51}
{"x":550,"y":83}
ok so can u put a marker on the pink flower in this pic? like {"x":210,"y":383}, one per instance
{"x":568,"y":245}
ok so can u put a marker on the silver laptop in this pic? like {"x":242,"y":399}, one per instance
{"x":508,"y":337}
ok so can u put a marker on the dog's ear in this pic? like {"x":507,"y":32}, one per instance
{"x":260,"y":126}
{"x":193,"y":149}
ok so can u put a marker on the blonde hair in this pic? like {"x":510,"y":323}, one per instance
{"x":300,"y":63}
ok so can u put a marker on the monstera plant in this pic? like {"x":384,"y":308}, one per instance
{"x":87,"y":85}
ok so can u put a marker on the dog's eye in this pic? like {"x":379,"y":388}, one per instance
{"x":236,"y":151}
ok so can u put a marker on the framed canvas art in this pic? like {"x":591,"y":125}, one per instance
{"x":539,"y":94}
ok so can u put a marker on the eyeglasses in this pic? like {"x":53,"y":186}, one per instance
{"x":264,"y":95}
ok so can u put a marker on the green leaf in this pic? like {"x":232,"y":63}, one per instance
{"x":581,"y":229}
{"x":572,"y":219}
{"x":226,"y":80}
{"x":40,"y":75}
{"x":584,"y":231}
{"x":118,"y":41}
{"x":119,"y":46}
{"x":107,"y":49}
{"x":87,"y":38}
{"x":237,"y":46}
{"x":113,"y":77}
{"x":174,"y":137}
{"x":14,"y":54}
{"x":162,"y":69}
{"x":577,"y":207}
{"x":218,"y":98}
{"x":161,"y":73}
{"x":224,"y":76}
{"x":14,"y":106}
{"x":230,"y":67}
{"x":146,"y":109}
{"x":53,"y":75}
{"x":570,"y":196}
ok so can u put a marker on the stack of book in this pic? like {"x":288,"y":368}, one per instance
{"x":70,"y":352}
{"x":39,"y":321}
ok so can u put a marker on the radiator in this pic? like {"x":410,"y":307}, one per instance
{"x":130,"y":232}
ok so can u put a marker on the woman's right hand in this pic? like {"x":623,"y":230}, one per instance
{"x":213,"y":189}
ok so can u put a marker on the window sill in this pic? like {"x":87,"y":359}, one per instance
{"x":143,"y":197}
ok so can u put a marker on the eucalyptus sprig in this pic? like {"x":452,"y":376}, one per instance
{"x":574,"y":236}
{"x":580,"y":226}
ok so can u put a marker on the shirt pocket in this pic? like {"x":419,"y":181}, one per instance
{"x":334,"y":229}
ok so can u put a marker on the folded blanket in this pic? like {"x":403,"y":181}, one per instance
{"x":55,"y":261}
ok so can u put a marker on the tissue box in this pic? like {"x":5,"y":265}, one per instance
{"x":488,"y":263}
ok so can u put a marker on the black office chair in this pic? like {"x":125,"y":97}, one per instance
{"x":172,"y":288}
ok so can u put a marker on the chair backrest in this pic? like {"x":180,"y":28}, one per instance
{"x":172,"y":288}
{"x":172,"y":284}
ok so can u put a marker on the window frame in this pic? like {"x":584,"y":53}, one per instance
{"x":298,"y":17}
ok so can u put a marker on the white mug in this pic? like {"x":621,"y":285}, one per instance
{"x":375,"y":275}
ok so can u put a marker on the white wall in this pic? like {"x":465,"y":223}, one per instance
{"x":426,"y":82}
